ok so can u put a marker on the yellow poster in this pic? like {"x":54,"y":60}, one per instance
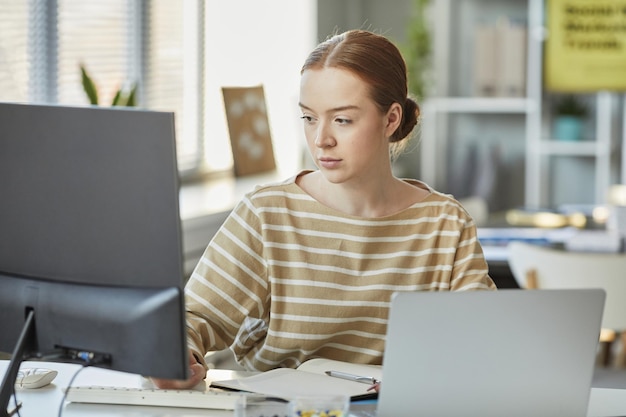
{"x":586,"y":45}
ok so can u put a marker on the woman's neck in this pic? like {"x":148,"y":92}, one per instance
{"x":370,"y":199}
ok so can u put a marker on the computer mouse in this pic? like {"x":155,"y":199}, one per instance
{"x":34,"y":377}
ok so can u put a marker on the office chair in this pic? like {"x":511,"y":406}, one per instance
{"x":535,"y":266}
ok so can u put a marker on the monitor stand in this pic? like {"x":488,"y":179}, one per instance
{"x":8,"y":383}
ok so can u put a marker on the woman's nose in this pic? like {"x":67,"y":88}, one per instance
{"x":323,"y":138}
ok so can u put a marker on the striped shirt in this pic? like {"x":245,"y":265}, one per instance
{"x":286,"y":279}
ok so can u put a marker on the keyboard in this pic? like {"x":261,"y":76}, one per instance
{"x":208,"y":399}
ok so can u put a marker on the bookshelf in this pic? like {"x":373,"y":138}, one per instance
{"x":531,"y":168}
{"x":594,"y":156}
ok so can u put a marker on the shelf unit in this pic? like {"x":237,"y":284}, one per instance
{"x":435,"y":112}
{"x":541,"y":148}
{"x":529,"y":126}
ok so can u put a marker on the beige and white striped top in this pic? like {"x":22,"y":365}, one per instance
{"x":287,"y":279}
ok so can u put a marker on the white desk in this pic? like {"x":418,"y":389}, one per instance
{"x":45,"y":401}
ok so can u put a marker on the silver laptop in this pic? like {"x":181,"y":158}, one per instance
{"x":511,"y":353}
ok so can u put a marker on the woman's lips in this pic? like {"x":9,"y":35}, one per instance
{"x":329,"y":163}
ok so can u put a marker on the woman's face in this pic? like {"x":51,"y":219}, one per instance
{"x":347,"y":135}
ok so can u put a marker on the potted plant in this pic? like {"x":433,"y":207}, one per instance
{"x":569,"y":116}
{"x":122,"y":97}
{"x":417,"y":49}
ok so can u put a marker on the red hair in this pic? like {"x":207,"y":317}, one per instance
{"x":379,"y":63}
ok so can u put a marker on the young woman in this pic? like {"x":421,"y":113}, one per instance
{"x":306,"y":268}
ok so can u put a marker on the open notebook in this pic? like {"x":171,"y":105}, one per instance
{"x":309,"y":378}
{"x":503,"y":353}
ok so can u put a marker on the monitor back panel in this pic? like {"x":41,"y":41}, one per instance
{"x":89,"y":194}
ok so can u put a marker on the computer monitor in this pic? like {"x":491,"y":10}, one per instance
{"x":90,"y":240}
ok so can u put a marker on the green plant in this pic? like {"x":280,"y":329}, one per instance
{"x":570,"y":105}
{"x":417,"y":50}
{"x":121,"y":98}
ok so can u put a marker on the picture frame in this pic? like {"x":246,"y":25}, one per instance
{"x":249,"y":130}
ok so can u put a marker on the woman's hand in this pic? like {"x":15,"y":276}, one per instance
{"x":197,"y":373}
{"x":375,"y":387}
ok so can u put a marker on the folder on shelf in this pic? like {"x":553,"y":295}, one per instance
{"x":511,"y":40}
{"x":500,"y":59}
{"x":485,"y":64}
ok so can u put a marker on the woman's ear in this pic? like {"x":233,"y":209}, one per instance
{"x":393,"y":118}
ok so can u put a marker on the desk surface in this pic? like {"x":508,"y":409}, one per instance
{"x":46,"y":400}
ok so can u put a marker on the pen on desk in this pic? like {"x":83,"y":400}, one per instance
{"x":351,"y":377}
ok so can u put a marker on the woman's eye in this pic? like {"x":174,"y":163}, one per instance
{"x":342,"y":121}
{"x":306,"y":118}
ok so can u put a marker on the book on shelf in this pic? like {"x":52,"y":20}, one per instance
{"x":309,"y":379}
{"x":500,"y":59}
{"x":512,"y":59}
{"x":485,"y":64}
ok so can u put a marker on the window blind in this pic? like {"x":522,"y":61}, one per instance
{"x":96,"y":34}
{"x":14,"y":51}
{"x":179,"y":52}
{"x":172,"y":74}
